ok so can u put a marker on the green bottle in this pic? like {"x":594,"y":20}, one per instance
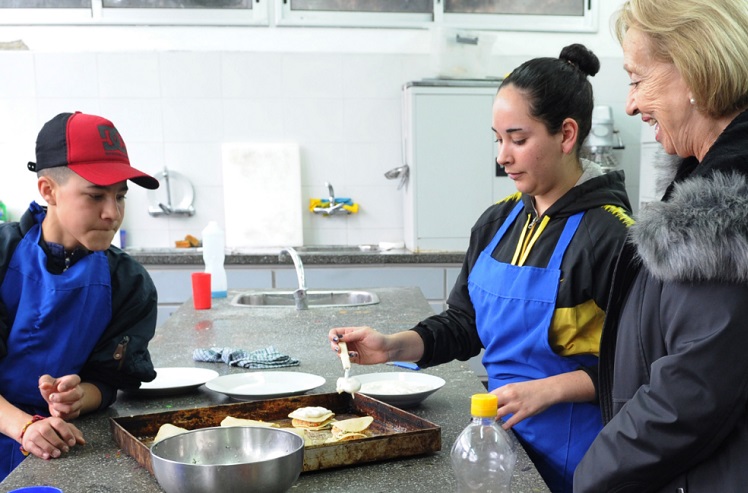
{"x":3,"y":212}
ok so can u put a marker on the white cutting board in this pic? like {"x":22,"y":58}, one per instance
{"x":262,"y":194}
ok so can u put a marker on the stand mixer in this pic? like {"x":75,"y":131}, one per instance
{"x":602,"y":140}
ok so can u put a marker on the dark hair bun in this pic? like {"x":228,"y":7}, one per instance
{"x":582,"y":58}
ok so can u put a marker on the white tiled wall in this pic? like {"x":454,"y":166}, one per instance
{"x":175,"y":108}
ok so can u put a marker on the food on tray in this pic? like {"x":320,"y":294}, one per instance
{"x":316,"y":425}
{"x":394,"y":387}
{"x":312,"y":418}
{"x":232,"y":421}
{"x":168,"y":430}
{"x":349,"y":429}
{"x":311,"y":437}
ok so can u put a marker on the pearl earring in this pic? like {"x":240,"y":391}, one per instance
{"x":693,"y":101}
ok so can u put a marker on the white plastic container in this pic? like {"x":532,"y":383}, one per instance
{"x":484,"y":455}
{"x":214,"y":253}
{"x":463,"y":54}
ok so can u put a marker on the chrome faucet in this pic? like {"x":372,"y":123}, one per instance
{"x":333,"y":206}
{"x":299,"y":295}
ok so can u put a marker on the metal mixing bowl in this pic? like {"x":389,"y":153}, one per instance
{"x":229,"y":459}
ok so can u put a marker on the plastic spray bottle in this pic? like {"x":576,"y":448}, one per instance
{"x":214,"y":253}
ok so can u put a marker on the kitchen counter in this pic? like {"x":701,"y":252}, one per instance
{"x":493,"y":83}
{"x":100,"y":466}
{"x":324,"y":255}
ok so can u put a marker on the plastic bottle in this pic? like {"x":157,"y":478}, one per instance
{"x":3,"y":212}
{"x":483,"y":456}
{"x":214,"y":253}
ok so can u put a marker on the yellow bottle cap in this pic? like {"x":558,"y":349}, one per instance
{"x":484,"y":405}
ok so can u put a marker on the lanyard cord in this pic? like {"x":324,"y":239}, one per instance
{"x":524,"y":245}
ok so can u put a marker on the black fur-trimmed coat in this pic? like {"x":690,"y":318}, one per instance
{"x":673,"y":381}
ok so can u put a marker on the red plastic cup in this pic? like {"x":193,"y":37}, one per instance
{"x":201,"y":290}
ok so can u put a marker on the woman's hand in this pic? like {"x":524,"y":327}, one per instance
{"x":366,"y":346}
{"x":49,"y":438}
{"x":525,"y":399}
{"x":65,"y":395}
{"x":522,"y":400}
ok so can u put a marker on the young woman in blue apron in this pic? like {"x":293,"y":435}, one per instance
{"x":533,"y":288}
{"x":524,"y":298}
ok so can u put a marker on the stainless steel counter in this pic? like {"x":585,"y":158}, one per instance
{"x":100,"y":466}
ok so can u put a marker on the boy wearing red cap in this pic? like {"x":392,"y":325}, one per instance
{"x":76,"y":313}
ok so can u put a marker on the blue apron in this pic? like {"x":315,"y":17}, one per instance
{"x":514,"y":308}
{"x":55,"y":322}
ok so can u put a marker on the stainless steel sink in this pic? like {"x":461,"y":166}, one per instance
{"x":316,"y":298}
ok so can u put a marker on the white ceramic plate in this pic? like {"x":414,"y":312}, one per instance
{"x":170,"y":381}
{"x":252,"y":386}
{"x":399,"y":389}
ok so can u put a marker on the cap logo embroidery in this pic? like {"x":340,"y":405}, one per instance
{"x":111,"y":140}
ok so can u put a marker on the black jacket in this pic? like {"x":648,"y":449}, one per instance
{"x":673,"y":372}
{"x":587,"y":266}
{"x":120,"y":359}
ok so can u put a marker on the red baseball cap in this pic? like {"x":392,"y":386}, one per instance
{"x":90,"y":146}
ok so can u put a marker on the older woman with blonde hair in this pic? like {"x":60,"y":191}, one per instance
{"x":673,"y":376}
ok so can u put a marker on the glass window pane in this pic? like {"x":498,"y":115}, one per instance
{"x":531,"y":7}
{"x":401,"y":6}
{"x":45,"y":4}
{"x":179,"y":4}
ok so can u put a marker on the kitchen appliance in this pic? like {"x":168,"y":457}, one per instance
{"x":602,"y":140}
{"x":451,"y":158}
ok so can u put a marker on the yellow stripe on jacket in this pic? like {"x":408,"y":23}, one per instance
{"x":577,"y":330}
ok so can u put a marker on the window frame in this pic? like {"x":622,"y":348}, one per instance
{"x":284,"y":16}
{"x":258,"y":15}
{"x":588,"y":23}
{"x":523,"y":22}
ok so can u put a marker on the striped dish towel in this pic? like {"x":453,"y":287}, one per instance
{"x":261,"y":358}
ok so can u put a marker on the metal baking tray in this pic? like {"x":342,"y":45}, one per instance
{"x":394,"y":433}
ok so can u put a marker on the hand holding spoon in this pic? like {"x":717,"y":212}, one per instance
{"x":347,"y":383}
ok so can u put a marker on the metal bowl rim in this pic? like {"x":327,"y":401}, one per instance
{"x":154,"y":455}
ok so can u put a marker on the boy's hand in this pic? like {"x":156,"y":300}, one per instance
{"x":51,"y":437}
{"x":64,"y":395}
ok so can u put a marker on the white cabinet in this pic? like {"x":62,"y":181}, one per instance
{"x":450,"y":150}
